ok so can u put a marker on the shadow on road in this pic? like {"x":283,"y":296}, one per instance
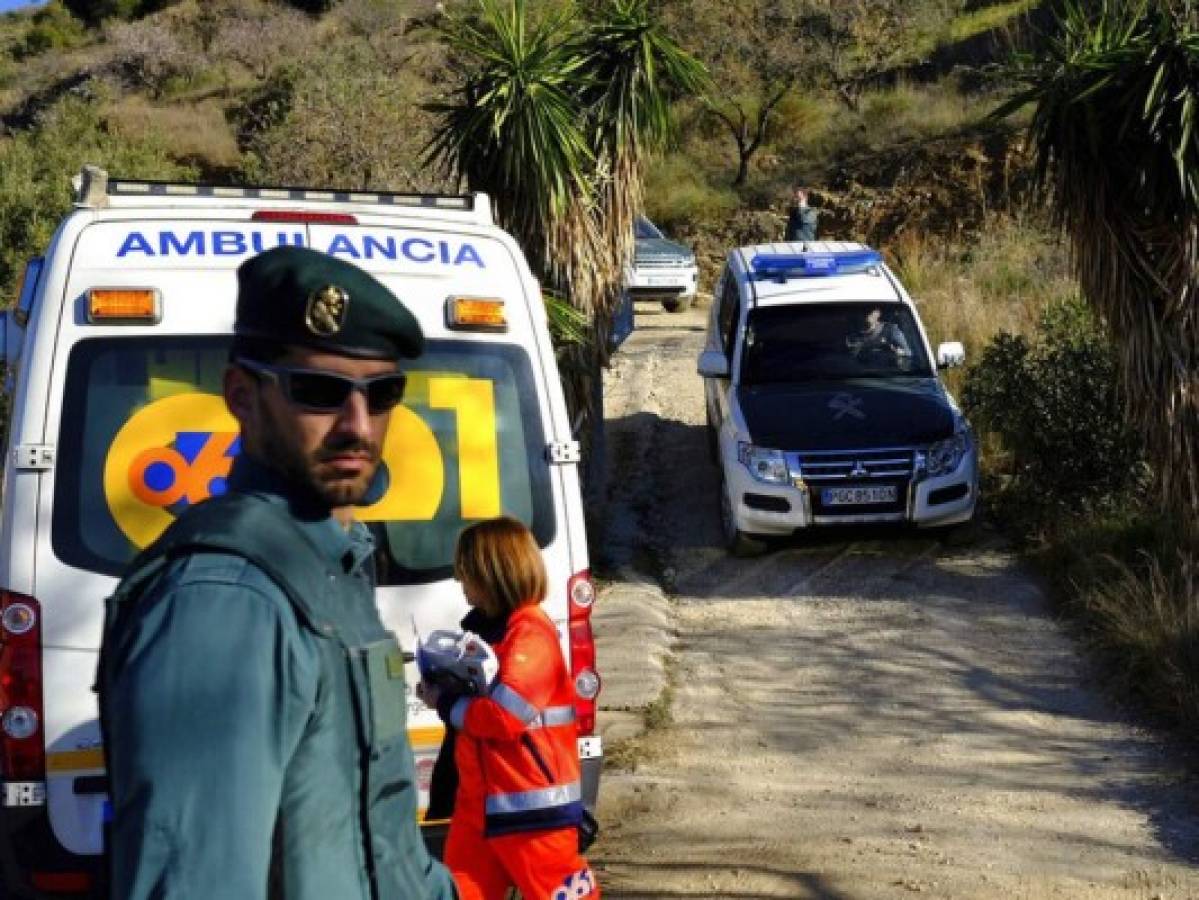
{"x":952,"y":653}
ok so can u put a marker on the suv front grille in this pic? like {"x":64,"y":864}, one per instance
{"x":829,"y":467}
{"x":884,"y":473}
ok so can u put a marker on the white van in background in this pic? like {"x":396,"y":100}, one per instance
{"x":115,"y":352}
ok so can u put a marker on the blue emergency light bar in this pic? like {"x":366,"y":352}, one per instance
{"x":782,"y":266}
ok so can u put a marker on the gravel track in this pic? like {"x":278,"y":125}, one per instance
{"x":861,"y":714}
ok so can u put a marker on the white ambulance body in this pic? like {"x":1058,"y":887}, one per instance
{"x":117,"y":347}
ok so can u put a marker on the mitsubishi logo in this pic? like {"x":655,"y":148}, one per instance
{"x":859,"y":470}
{"x":846,"y":404}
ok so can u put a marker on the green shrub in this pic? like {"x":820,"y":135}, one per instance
{"x":339,"y":121}
{"x":93,"y":12}
{"x":800,"y":119}
{"x":36,"y":168}
{"x":312,"y":6}
{"x":680,"y":199}
{"x":51,"y":28}
{"x":1053,"y":405}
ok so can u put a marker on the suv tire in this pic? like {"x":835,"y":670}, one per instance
{"x":736,"y":541}
{"x":677,"y":304}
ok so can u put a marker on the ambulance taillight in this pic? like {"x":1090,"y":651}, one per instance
{"x":22,"y":744}
{"x":581,"y":593}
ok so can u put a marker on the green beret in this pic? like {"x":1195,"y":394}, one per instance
{"x":294,"y":295}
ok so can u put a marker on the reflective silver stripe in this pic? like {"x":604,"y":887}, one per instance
{"x":555,"y":715}
{"x":458,"y":712}
{"x":543,"y":798}
{"x":514,"y":703}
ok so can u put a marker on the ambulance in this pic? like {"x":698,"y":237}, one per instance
{"x":114,"y":352}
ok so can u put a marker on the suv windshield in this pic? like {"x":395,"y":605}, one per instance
{"x":145,"y":433}
{"x":819,"y":341}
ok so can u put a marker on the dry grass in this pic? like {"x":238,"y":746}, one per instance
{"x":1001,"y":282}
{"x":987,"y":18}
{"x":886,"y":117}
{"x":1147,"y":623}
{"x":198,"y":131}
{"x":1132,"y":588}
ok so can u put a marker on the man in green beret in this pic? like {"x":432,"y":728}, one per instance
{"x":253,"y":704}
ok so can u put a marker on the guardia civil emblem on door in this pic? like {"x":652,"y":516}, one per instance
{"x":327,"y":308}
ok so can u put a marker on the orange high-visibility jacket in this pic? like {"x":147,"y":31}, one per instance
{"x":516,"y":752}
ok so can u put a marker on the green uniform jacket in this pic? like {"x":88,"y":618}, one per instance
{"x":801,"y":223}
{"x":254,"y":711}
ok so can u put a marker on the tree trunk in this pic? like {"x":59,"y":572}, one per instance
{"x":742,"y":167}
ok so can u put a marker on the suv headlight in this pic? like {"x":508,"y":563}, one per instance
{"x":944,"y":456}
{"x":767,"y":466}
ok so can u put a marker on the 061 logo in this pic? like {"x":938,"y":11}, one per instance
{"x":178,"y":450}
{"x":170,"y":454}
{"x":579,"y":884}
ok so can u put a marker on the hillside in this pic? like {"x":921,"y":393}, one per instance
{"x":257,"y":91}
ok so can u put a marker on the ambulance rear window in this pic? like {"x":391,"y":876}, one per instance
{"x":145,"y":434}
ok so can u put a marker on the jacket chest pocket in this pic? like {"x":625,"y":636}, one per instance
{"x":386,"y":700}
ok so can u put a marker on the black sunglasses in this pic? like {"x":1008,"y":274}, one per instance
{"x":326,"y":392}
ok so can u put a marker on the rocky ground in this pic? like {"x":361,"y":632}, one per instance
{"x":856,"y":715}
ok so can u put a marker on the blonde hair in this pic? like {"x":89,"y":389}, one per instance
{"x":503,"y":560}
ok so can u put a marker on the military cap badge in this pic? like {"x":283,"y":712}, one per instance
{"x":327,"y":308}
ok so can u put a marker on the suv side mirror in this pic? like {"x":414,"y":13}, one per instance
{"x":950,"y":354}
{"x":713,"y":364}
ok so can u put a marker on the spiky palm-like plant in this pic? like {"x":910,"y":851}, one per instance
{"x":556,"y":120}
{"x":1114,"y":130}
{"x":633,"y":71}
{"x":513,"y":127}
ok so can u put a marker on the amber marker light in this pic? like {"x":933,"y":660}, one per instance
{"x":476,"y":314}
{"x":124,"y":306}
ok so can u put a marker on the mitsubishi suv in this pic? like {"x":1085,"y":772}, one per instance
{"x":824,"y":406}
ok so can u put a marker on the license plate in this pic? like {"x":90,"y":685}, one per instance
{"x":662,"y":281}
{"x":857,"y":496}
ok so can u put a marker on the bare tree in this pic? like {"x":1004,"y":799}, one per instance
{"x":150,"y":53}
{"x":759,"y":51}
{"x":260,"y":36}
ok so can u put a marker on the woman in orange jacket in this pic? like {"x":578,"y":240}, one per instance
{"x":518,"y":802}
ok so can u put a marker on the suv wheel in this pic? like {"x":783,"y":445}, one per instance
{"x":677,"y":304}
{"x":736,"y":541}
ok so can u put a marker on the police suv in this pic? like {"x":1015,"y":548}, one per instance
{"x":823,"y":401}
{"x":115,"y":352}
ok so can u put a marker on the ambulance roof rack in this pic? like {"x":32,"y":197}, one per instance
{"x":813,"y":264}
{"x":94,"y":187}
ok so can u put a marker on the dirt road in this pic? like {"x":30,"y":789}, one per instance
{"x":863,"y":715}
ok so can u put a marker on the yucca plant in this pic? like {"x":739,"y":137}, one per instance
{"x":1114,"y":131}
{"x":556,"y":118}
{"x":512,"y":127}
{"x":634,"y":70}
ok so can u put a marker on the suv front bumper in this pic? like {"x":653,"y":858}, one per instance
{"x":662,"y":281}
{"x":779,"y":510}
